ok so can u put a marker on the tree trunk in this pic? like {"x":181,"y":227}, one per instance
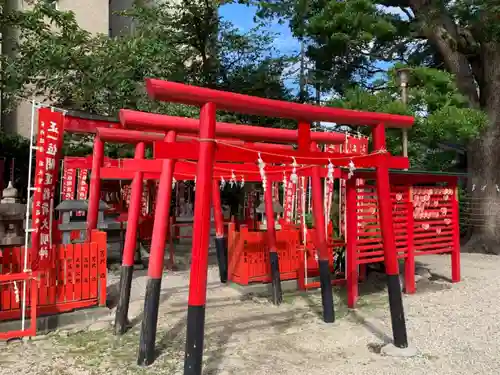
{"x":484,"y":163}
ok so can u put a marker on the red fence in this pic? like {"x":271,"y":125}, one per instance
{"x":77,"y":280}
{"x":248,"y":256}
{"x":425,"y":218}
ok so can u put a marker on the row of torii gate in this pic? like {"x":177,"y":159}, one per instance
{"x":206,"y":151}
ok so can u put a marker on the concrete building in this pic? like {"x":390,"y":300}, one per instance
{"x":95,"y":16}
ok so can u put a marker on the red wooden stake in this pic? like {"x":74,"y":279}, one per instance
{"x":201,"y":236}
{"x":351,"y":241}
{"x":321,"y":244}
{"x":277,"y":295}
{"x":388,"y":240}
{"x":156,"y":260}
{"x":455,"y":253}
{"x":220,"y":240}
{"x":95,"y":186}
{"x":127,"y":269}
{"x":410,"y":254}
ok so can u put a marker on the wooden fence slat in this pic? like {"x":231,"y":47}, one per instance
{"x":77,"y":259}
{"x":93,"y":272}
{"x":6,"y":268}
{"x":76,"y":280}
{"x":60,"y":274}
{"x":15,"y":268}
{"x":85,"y":271}
{"x":70,"y":277}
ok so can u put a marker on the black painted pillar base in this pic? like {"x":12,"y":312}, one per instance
{"x":221,"y":251}
{"x":193,"y":357}
{"x":277,"y":294}
{"x":149,"y":323}
{"x":325,"y":281}
{"x":121,"y":317}
{"x":397,"y":312}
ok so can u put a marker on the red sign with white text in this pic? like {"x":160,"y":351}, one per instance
{"x":289,"y":195}
{"x":83,"y":187}
{"x":49,"y":144}
{"x":69,"y":183}
{"x":352,"y":145}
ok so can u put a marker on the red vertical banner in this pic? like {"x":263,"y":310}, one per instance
{"x":288,"y":209}
{"x":250,"y":209}
{"x":145,"y":199}
{"x":300,"y":192}
{"x":125,"y":193}
{"x":329,"y":198}
{"x":83,"y":187}
{"x":342,"y":211}
{"x":69,"y":183}
{"x":276,"y":190}
{"x":49,"y":145}
{"x":153,"y":204}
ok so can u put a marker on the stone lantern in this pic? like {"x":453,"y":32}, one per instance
{"x":12,"y":216}
{"x":277,"y":209}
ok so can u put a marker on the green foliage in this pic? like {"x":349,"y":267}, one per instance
{"x":16,"y":147}
{"x":52,"y":57}
{"x":185,"y":42}
{"x":442,"y":115}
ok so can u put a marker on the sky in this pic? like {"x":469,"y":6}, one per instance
{"x":242,"y":17}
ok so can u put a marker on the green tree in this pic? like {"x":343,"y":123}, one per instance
{"x":47,"y":54}
{"x":348,"y":39}
{"x":186,"y":42}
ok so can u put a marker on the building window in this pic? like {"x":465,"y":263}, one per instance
{"x":53,"y":3}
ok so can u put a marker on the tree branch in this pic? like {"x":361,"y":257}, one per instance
{"x":441,"y":30}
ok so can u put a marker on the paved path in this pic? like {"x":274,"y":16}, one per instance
{"x":454,"y":327}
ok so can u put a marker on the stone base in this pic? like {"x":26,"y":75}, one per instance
{"x":392,"y":351}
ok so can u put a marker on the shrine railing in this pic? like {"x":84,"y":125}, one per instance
{"x":425,"y":219}
{"x":76,"y":280}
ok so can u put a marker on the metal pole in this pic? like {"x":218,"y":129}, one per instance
{"x":403,"y":83}
{"x":27,"y":229}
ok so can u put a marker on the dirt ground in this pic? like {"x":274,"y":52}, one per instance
{"x":453,"y":326}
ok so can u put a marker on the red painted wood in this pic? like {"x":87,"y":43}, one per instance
{"x":352,"y":241}
{"x":60,"y":274}
{"x":410,"y":286}
{"x":58,"y":288}
{"x":77,"y":266}
{"x":93,"y":271}
{"x":17,"y":267}
{"x":186,"y":94}
{"x":455,"y":254}
{"x":100,"y":239}
{"x":86,"y":271}
{"x":70,"y":273}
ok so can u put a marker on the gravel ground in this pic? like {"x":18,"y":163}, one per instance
{"x":454,"y":327}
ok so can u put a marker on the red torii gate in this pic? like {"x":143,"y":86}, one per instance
{"x":138,"y":167}
{"x":209,"y":101}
